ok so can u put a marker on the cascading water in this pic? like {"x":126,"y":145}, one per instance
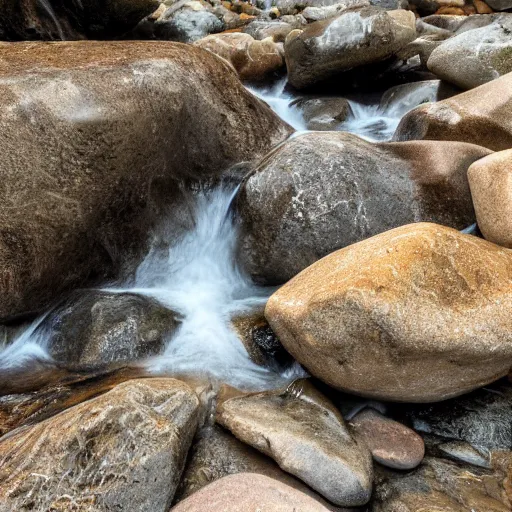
{"x":45,"y":4}
{"x":199,"y":279}
{"x":373,"y":121}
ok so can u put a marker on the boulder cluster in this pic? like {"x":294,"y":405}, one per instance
{"x":388,"y":265}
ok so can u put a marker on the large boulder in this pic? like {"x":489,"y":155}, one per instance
{"x":353,"y":39}
{"x":92,"y":133}
{"x":490,"y":181}
{"x":124,"y":450}
{"x":97,"y":328}
{"x":61,"y":19}
{"x":475,"y":57}
{"x":420,"y":313}
{"x":252,"y":59}
{"x":322,"y":191}
{"x":306,"y":435}
{"x":246,"y":492}
{"x":480,"y":116}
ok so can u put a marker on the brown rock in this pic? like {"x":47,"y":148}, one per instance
{"x":77,"y":195}
{"x":391,"y":443}
{"x":306,"y":435}
{"x":323,"y":113}
{"x":322,"y":191}
{"x":439,"y":485}
{"x":252,"y":59}
{"x":481,"y":7}
{"x":349,"y":40}
{"x":480,"y":116}
{"x":490,"y":180}
{"x":123,"y":450}
{"x":216,"y":453}
{"x":450,"y":11}
{"x":248,"y":492}
{"x":431,"y":305}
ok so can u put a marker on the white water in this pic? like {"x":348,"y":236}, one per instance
{"x":199,"y":279}
{"x":45,"y":4}
{"x":373,"y":122}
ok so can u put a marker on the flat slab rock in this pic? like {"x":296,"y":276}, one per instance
{"x":306,"y":435}
{"x":123,"y":450}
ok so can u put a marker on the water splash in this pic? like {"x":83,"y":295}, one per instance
{"x":199,"y":279}
{"x":373,"y":121}
{"x":45,"y":4}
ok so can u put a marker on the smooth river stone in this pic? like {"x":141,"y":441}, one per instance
{"x":306,"y":435}
{"x":420,"y":313}
{"x":249,"y":492}
{"x":490,"y":181}
{"x":392,"y":444}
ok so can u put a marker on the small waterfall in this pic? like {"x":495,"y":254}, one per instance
{"x":199,"y":279}
{"x":45,"y":4}
{"x":373,"y":121}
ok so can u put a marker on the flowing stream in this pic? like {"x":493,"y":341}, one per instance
{"x":198,"y":278}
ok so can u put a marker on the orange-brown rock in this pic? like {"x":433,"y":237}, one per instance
{"x":490,"y":180}
{"x":91,"y":134}
{"x":450,"y":11}
{"x":249,"y":492}
{"x":124,"y":450}
{"x":419,"y":313}
{"x":480,"y":116}
{"x":252,"y":59}
{"x":481,"y":7}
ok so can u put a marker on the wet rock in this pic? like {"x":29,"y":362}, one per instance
{"x":245,"y":492}
{"x":500,"y":5}
{"x":480,"y":116}
{"x":277,"y":30}
{"x":98,"y":327}
{"x":319,"y":192}
{"x":323,"y":113}
{"x":439,"y":485}
{"x":193,"y":21}
{"x":260,"y":341}
{"x":490,"y":181}
{"x":482,"y":418}
{"x":475,"y":57}
{"x":306,"y":435}
{"x":216,"y":453}
{"x":391,"y":5}
{"x":85,"y":213}
{"x":123,"y":450}
{"x":252,"y":59}
{"x":291,"y":7}
{"x":59,"y":19}
{"x":352,"y":39}
{"x":314,"y":13}
{"x":464,"y":452}
{"x":391,"y":443}
{"x":401,"y":298}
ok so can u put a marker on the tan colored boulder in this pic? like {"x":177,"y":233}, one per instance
{"x":352,"y":39}
{"x":123,"y":450}
{"x":252,"y":59}
{"x":306,"y":435}
{"x":490,"y":180}
{"x":474,"y":57}
{"x":391,"y":443}
{"x":249,"y":492}
{"x":92,"y":133}
{"x":322,"y":191}
{"x":417,"y":314}
{"x":480,"y":116}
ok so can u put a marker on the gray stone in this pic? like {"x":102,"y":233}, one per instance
{"x":474,"y":57}
{"x":187,"y":26}
{"x":353,"y":39}
{"x":321,"y":191}
{"x":323,"y":113}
